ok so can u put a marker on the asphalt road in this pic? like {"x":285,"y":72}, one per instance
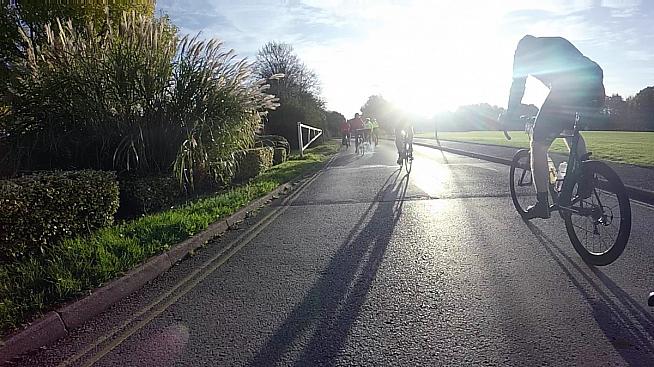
{"x":367,"y":266}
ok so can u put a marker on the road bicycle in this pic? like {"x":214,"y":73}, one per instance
{"x":345,"y":141}
{"x":361,"y":141}
{"x":588,"y":194}
{"x":407,"y":153}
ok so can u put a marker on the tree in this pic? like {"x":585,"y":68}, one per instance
{"x":333,"y":121}
{"x":379,"y":108}
{"x":642,"y":109}
{"x":616,"y":110}
{"x":297,"y":89}
{"x":276,"y":58}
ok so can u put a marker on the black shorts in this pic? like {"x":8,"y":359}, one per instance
{"x":560,"y":108}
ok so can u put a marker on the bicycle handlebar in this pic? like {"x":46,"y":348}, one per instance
{"x":506,"y":134}
{"x":501,"y":124}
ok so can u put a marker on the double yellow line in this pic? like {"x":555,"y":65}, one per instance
{"x":117,"y":335}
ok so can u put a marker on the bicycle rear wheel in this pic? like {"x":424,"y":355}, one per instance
{"x":597,"y":213}
{"x":520,"y":181}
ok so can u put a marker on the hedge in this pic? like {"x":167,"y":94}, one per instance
{"x":143,"y":195}
{"x":274,"y":141}
{"x":38,"y":210}
{"x":253,"y":162}
{"x":279,"y":156}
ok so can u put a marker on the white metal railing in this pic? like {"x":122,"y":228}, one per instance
{"x":310,"y":129}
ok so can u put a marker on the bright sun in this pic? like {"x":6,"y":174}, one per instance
{"x":434,"y":57}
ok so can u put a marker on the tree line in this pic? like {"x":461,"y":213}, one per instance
{"x":635,"y":113}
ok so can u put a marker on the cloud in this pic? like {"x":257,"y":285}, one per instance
{"x":418,"y":51}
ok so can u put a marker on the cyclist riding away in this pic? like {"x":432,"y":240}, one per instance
{"x":576,"y":86}
{"x":403,"y":130}
{"x":356,"y":126}
{"x":345,"y":133}
{"x":375,"y":131}
{"x":369,"y":128}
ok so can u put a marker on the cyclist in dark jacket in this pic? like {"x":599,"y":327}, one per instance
{"x":576,"y":85}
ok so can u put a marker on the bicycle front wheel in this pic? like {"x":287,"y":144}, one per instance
{"x":408,"y":162}
{"x":520,"y":181}
{"x":597,"y":213}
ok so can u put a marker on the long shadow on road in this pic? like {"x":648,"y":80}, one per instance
{"x":332,"y":305}
{"x":626,"y":324}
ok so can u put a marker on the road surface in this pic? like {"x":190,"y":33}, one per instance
{"x":366,"y":266}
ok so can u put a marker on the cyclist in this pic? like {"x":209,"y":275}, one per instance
{"x":403,"y":130}
{"x":356,"y":125}
{"x":345,"y":133}
{"x":576,"y":85}
{"x":375,"y":131}
{"x":369,"y":127}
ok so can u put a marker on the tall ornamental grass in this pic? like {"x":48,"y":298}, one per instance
{"x":132,"y":97}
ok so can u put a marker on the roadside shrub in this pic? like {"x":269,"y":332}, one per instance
{"x":38,"y":210}
{"x":275,"y":141}
{"x":136,"y":99}
{"x":142,"y":195}
{"x":253,"y":162}
{"x":279,"y":156}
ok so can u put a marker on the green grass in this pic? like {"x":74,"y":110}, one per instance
{"x":74,"y":267}
{"x":616,"y":146}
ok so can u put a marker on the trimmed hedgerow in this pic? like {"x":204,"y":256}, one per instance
{"x":279,"y":156}
{"x":253,"y":162}
{"x":39,"y":210}
{"x":274,"y":141}
{"x":143,"y":195}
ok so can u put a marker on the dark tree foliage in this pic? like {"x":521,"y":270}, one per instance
{"x":333,"y":121}
{"x":297,"y":88}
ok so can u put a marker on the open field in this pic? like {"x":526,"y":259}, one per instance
{"x":616,"y":146}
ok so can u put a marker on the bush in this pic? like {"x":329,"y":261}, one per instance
{"x":38,"y":210}
{"x":253,"y":162}
{"x":136,"y":99}
{"x":279,"y":156}
{"x":142,"y":195}
{"x":274,"y":141}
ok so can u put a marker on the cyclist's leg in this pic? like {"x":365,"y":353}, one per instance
{"x":550,"y":122}
{"x":581,"y":145}
{"x":356,"y":141}
{"x":399,"y":145}
{"x":409,"y":138}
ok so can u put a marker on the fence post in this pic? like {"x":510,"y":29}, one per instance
{"x":299,"y":139}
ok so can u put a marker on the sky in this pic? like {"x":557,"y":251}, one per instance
{"x":428,"y":56}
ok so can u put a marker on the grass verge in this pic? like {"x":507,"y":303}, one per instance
{"x":616,"y":146}
{"x":75,"y":266}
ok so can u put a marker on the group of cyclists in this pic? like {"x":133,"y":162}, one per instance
{"x":360,"y":130}
{"x":576,"y":86}
{"x":367,"y":131}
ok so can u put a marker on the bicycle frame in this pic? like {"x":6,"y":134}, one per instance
{"x":573,"y":172}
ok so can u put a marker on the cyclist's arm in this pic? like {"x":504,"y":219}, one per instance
{"x":520,"y":73}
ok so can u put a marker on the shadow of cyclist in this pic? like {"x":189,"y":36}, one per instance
{"x":627,"y":325}
{"x":333,"y":303}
